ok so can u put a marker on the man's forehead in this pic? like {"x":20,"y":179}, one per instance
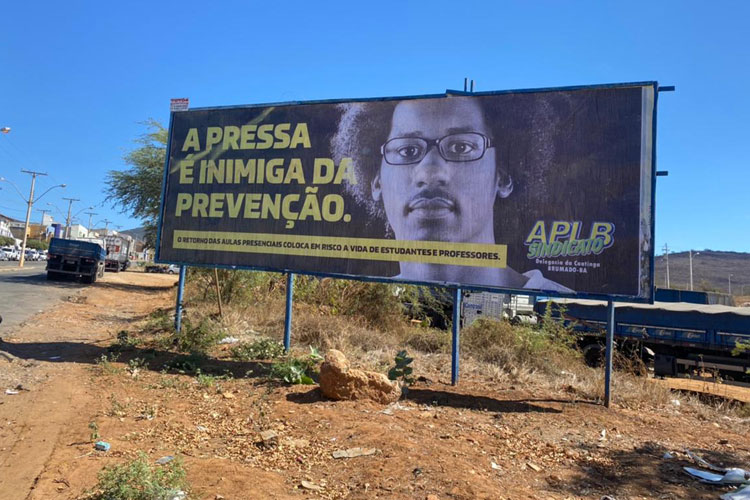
{"x":436,"y":117}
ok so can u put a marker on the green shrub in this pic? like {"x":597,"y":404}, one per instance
{"x":259,"y":349}
{"x":140,"y":480}
{"x":297,"y":370}
{"x":401,"y":371}
{"x":197,"y":339}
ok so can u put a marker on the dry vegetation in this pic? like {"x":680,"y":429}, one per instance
{"x":524,"y":422}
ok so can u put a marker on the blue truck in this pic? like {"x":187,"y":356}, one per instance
{"x":74,"y":258}
{"x":699,"y":335}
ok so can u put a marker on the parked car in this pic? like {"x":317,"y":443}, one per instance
{"x":13,"y":254}
{"x":31,"y":254}
{"x":3,"y":255}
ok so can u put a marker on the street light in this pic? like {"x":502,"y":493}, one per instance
{"x":5,"y":130}
{"x":690,"y":253}
{"x":72,"y":217}
{"x":29,"y":203}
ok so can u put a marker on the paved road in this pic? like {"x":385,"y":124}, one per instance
{"x":24,"y":292}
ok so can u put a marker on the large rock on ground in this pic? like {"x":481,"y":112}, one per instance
{"x":339,"y":381}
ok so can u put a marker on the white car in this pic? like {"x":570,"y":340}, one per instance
{"x":12,"y":253}
{"x":3,"y":255}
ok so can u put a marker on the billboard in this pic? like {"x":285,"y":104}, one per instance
{"x":543,"y":191}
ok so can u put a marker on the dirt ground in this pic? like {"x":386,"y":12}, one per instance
{"x":475,"y":440}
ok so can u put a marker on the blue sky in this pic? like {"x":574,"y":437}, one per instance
{"x":78,"y":78}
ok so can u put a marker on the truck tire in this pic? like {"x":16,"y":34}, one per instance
{"x":593,"y":354}
{"x":52,"y":275}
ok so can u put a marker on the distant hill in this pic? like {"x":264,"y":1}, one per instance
{"x":711,"y":270}
{"x":137,"y":233}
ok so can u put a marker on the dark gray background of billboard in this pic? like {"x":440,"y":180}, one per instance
{"x":573,"y":155}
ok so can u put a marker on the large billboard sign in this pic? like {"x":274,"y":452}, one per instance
{"x":547,"y":191}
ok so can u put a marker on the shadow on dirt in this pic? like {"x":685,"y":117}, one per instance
{"x":444,"y":398}
{"x":152,"y":359}
{"x":128,"y":287}
{"x":621,"y":473}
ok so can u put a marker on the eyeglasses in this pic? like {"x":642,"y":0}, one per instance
{"x":468,"y":146}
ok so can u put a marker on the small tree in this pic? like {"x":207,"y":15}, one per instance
{"x":138,"y":189}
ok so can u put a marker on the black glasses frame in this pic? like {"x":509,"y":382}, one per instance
{"x":436,"y":143}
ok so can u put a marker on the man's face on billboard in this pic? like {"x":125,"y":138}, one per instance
{"x":438,"y":178}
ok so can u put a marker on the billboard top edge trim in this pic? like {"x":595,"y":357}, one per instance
{"x":447,"y":93}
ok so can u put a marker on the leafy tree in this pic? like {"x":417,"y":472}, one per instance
{"x":37,"y":244}
{"x":7,"y":241}
{"x":137,"y":190}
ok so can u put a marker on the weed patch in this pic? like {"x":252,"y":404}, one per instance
{"x":140,"y":480}
{"x":259,"y":349}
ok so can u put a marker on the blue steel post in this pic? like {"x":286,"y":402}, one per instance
{"x":608,"y":353}
{"x":288,"y":317}
{"x":180,"y":291}
{"x":456,"y":331}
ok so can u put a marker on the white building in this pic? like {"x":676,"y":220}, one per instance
{"x":5,"y":229}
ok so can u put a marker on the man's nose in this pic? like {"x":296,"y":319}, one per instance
{"x":433,"y":170}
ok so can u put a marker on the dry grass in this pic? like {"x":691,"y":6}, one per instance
{"x":366,"y":322}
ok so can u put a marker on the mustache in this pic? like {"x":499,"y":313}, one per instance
{"x":432,"y":198}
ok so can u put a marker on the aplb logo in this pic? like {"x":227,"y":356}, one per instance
{"x":563,"y":239}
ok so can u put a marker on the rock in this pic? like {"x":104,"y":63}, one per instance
{"x":338,"y":381}
{"x":269,"y":438}
{"x":354,"y":452}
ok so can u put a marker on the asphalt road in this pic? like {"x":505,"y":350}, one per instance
{"x":26,"y":291}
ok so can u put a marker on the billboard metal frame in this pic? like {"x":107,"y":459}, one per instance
{"x":622,"y":298}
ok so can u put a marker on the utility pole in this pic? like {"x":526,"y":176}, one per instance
{"x":88,"y":228}
{"x":106,"y":226}
{"x":33,"y":174}
{"x":67,"y":221}
{"x":666,"y":257}
{"x":690,"y":254}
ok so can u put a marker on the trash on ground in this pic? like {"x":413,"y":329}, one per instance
{"x":229,"y":340}
{"x":177,"y":495}
{"x":667,"y":456}
{"x":165,"y":460}
{"x":740,"y":494}
{"x":731,"y":476}
{"x":698,"y":460}
{"x":533,"y":466}
{"x":354,"y":452}
{"x":394,"y":406}
{"x":10,"y":392}
{"x":310,"y":486}
{"x":102,"y":446}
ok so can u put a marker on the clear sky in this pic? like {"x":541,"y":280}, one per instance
{"x":77,"y":79}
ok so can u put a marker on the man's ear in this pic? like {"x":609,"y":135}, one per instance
{"x":376,"y":188}
{"x":504,"y":185}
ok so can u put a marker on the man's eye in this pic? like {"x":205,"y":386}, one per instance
{"x":460,"y":147}
{"x":410,"y":151}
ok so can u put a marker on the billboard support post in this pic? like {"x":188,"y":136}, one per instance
{"x":608,"y":353}
{"x":180,"y":292}
{"x":456,"y":332}
{"x":288,"y":312}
